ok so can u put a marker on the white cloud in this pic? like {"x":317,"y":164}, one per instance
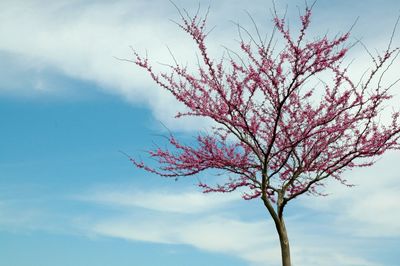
{"x":162,"y":217}
{"x":163,"y":201}
{"x":371,"y":208}
{"x":246,"y":240}
{"x":192,"y":218}
{"x":207,"y":222}
{"x":80,"y":39}
{"x":14,"y":218}
{"x":329,"y":257}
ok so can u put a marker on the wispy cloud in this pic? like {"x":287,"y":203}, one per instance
{"x":80,"y":39}
{"x":162,"y":201}
{"x":332,"y":230}
{"x":162,"y":217}
{"x":370,"y":209}
{"x":246,"y":240}
{"x":214,"y":224}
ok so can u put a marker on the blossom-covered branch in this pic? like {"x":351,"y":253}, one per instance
{"x":280,"y":136}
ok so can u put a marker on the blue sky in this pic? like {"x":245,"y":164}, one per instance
{"x":69,"y":197}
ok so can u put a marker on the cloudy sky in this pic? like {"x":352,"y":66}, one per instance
{"x":68,"y":107}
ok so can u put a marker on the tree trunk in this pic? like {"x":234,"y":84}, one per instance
{"x":280,"y":228}
{"x":284,"y":242}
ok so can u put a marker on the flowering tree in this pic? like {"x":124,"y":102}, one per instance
{"x":276,"y":137}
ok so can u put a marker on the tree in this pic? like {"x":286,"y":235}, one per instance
{"x":278,"y":136}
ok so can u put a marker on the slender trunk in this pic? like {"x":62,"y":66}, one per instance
{"x":281,"y":229}
{"x":284,"y":242}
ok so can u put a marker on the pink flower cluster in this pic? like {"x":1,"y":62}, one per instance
{"x":289,"y":135}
